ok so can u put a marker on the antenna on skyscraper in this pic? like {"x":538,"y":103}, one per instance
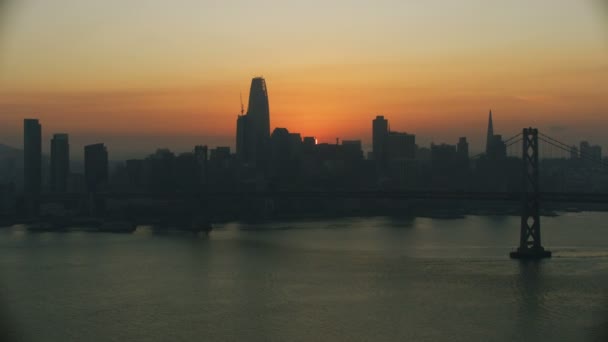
{"x":242,"y":107}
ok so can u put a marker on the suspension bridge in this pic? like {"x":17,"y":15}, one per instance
{"x":528,"y":142}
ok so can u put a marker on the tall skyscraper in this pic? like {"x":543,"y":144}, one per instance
{"x":490,"y":136}
{"x":60,"y":162}
{"x":253,"y":128}
{"x":95,"y":166}
{"x":32,"y":156}
{"x":380,"y":139}
{"x":258,"y":109}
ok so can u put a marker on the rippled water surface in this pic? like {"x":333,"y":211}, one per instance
{"x":358,"y":279}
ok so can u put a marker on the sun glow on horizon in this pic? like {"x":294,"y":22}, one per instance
{"x":165,"y":73}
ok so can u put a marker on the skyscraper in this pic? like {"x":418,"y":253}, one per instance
{"x":32,"y":156}
{"x":258,"y":109}
{"x":253,"y":128}
{"x":490,"y":136}
{"x":380,"y":139}
{"x":95,"y":166}
{"x":60,"y":162}
{"x":495,"y":146}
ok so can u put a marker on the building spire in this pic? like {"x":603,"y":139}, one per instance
{"x":490,"y":136}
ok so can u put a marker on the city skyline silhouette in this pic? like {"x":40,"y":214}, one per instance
{"x":287,"y":170}
{"x":480,"y":145}
{"x":112,"y":76}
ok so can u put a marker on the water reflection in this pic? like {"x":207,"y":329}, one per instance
{"x":531,"y":299}
{"x":352,"y":279}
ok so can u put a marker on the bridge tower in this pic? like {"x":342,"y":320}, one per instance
{"x":530,"y":246}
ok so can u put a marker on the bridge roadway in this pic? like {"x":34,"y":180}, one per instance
{"x":571,"y":197}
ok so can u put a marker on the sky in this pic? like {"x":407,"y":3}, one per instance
{"x":139,"y":75}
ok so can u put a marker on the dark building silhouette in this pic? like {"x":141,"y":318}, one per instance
{"x":393,"y":153}
{"x":258,"y":108}
{"x":135,"y":173}
{"x":462,"y":149}
{"x":443,"y":155}
{"x":279,"y":141}
{"x":401,"y":146}
{"x":253,"y":128}
{"x":285,"y":145}
{"x":242,"y":150}
{"x":462,"y":169}
{"x":220,"y":154}
{"x":295,"y":144}
{"x":308,"y":143}
{"x":289,"y":164}
{"x":447,"y":169}
{"x":498,"y":148}
{"x":495,"y":148}
{"x":221,"y":168}
{"x":201,"y":154}
{"x":187,"y":172}
{"x":76,"y":183}
{"x":490,"y":135}
{"x":60,"y":163}
{"x":95,"y":166}
{"x":574,"y":152}
{"x":352,"y":149}
{"x":584,"y":147}
{"x":286,"y":154}
{"x":590,"y":153}
{"x":380,"y":140}
{"x":423,"y":154}
{"x":493,"y":170}
{"x":32,"y":156}
{"x":401,"y":153}
{"x":596,"y":153}
{"x":159,"y":170}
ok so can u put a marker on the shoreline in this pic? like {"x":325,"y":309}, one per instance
{"x":101,"y":225}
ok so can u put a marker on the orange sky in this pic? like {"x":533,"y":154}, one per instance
{"x":142,"y":76}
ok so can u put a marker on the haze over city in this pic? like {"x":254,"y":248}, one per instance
{"x":138,"y":76}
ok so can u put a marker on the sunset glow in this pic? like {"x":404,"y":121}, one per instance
{"x":140,"y":75}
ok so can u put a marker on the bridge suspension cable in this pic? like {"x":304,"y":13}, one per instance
{"x":514,"y":142}
{"x":511,"y":147}
{"x":567,"y":148}
{"x":509,"y":142}
{"x":518,"y":135}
